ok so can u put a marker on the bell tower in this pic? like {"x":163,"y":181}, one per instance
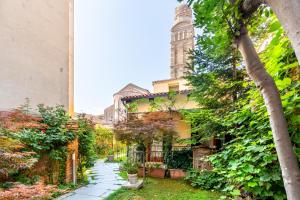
{"x":182,"y":40}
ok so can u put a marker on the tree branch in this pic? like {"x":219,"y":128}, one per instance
{"x":248,"y":7}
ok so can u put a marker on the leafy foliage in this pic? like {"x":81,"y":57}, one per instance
{"x":50,"y":139}
{"x":207,"y":180}
{"x":24,"y":192}
{"x":103,"y":141}
{"x":86,"y":140}
{"x":54,"y":138}
{"x":130,"y":167}
{"x":217,"y":86}
{"x":231,"y":106}
{"x":151,"y":126}
{"x":179,"y":159}
{"x":157,"y":104}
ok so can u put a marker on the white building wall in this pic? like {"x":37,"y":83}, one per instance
{"x":36,"y":60}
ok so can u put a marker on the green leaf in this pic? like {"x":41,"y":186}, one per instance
{"x":275,"y":26}
{"x":252,"y":184}
{"x":235,"y":193}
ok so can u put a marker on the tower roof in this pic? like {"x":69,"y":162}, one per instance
{"x":182,"y":5}
{"x":183,"y":13}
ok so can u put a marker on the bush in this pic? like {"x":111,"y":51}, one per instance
{"x":53,"y":138}
{"x":179,"y":159}
{"x":86,"y":147}
{"x":103,"y":141}
{"x":50,"y":138}
{"x":207,"y":180}
{"x":249,"y":166}
{"x":22,"y":178}
{"x":6,"y":185}
{"x":86,"y":140}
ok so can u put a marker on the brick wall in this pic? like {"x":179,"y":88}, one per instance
{"x":49,"y":170}
{"x":199,"y":154}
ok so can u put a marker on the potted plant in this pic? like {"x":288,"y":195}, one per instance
{"x":178,"y":162}
{"x":156,"y":170}
{"x":141,"y":171}
{"x":132,"y":169}
{"x":177,"y":173}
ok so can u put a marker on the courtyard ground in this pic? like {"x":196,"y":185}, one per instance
{"x":103,"y":181}
{"x":163,"y":189}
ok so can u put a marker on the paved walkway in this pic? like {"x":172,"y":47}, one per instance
{"x":104,"y":180}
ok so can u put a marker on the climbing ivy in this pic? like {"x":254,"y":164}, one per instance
{"x":86,"y":144}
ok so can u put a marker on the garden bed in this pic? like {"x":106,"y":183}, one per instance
{"x":30,"y":192}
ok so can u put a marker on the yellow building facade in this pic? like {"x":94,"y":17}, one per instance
{"x":165,"y":99}
{"x":174,"y":93}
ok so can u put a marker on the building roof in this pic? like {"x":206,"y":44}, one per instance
{"x":134,"y":86}
{"x":166,"y":80}
{"x":111,"y":107}
{"x":153,"y":95}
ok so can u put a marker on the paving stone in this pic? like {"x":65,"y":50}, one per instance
{"x":104,"y":180}
{"x":136,"y":186}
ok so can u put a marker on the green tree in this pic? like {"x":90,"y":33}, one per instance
{"x":225,"y":23}
{"x":104,"y":139}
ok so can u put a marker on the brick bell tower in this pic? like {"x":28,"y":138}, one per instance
{"x":182,"y":40}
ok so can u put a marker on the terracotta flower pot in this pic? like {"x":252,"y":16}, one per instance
{"x":157,"y":173}
{"x":132,"y":178}
{"x":177,"y":173}
{"x":141,"y":172}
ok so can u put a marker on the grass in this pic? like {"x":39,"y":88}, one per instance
{"x":163,"y":189}
{"x":123,"y":174}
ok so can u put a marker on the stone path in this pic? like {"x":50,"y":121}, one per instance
{"x":104,"y":180}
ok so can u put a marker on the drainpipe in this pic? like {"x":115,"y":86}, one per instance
{"x":74,"y":168}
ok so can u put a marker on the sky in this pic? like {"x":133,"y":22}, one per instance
{"x":119,"y":42}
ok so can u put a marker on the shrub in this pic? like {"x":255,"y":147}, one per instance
{"x":207,"y":180}
{"x":103,"y":141}
{"x":50,"y":139}
{"x":54,"y":137}
{"x":179,"y":159}
{"x":86,"y":140}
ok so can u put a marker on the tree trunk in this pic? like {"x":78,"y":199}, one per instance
{"x":288,"y":13}
{"x":234,"y":71}
{"x":265,"y":83}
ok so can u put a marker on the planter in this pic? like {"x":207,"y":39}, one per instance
{"x":177,"y":173}
{"x":141,"y":172}
{"x":157,"y":173}
{"x":132,"y":178}
{"x":110,"y":158}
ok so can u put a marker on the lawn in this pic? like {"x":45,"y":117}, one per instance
{"x":163,"y":189}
